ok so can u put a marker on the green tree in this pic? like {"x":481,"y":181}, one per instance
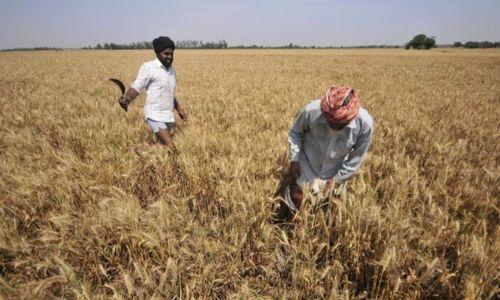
{"x":486,"y":44}
{"x":430,"y":42}
{"x":421,"y":41}
{"x":471,"y":45}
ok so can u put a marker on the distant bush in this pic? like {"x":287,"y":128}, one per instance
{"x":421,"y":41}
{"x":475,"y":45}
{"x":471,"y":45}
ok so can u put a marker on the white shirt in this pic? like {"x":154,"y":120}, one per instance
{"x":159,"y":84}
{"x":323,"y":152}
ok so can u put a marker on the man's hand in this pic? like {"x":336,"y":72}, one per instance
{"x":183,"y":114}
{"x":294,"y":170}
{"x":124,"y":102}
{"x":126,"y":99}
{"x":329,"y":186}
{"x":180,"y":110}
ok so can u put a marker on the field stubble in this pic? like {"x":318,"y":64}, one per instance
{"x":81,"y":217}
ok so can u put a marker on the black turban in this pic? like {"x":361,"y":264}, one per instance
{"x":163,"y":42}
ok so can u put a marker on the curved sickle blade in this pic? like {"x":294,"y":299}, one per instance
{"x":120,"y":84}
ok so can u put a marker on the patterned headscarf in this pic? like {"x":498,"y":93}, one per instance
{"x":340,"y":105}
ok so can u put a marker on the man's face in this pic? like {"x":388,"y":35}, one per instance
{"x":337,"y":127}
{"x":166,"y":57}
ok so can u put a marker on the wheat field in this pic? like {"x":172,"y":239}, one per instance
{"x":81,"y":217}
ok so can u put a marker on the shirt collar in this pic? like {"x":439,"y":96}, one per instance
{"x":159,"y":64}
{"x":351,"y":125}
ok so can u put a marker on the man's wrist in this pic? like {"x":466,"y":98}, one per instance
{"x":126,"y":99}
{"x":294,"y":170}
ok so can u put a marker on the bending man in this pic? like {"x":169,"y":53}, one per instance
{"x":328,"y":142}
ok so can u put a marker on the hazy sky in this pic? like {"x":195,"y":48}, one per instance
{"x":29,"y":23}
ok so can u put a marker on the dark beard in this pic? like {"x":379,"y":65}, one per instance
{"x":166,"y":64}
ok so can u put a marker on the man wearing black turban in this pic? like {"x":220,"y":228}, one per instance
{"x":163,"y":42}
{"x":158,"y":78}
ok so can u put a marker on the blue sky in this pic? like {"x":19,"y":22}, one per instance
{"x":29,"y":23}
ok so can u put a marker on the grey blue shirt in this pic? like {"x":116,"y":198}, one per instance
{"x":323,"y":152}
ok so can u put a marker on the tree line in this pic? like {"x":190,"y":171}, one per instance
{"x":475,"y":45}
{"x":222,"y":44}
{"x":420,"y":41}
{"x":33,"y":49}
{"x":182,"y":44}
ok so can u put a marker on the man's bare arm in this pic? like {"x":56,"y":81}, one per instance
{"x":182,"y":113}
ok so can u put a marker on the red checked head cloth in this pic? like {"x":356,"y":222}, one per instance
{"x":340,"y":105}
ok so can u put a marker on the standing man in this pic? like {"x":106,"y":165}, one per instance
{"x":157,"y":77}
{"x":328,"y":142}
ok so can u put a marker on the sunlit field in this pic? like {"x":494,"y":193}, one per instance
{"x":82,"y":217}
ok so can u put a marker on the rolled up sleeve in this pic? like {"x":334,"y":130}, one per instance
{"x":296,"y":135}
{"x":142,"y":79}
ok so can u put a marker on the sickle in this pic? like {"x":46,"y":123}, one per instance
{"x":120,"y":84}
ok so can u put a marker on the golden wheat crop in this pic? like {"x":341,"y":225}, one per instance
{"x":80,"y":217}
